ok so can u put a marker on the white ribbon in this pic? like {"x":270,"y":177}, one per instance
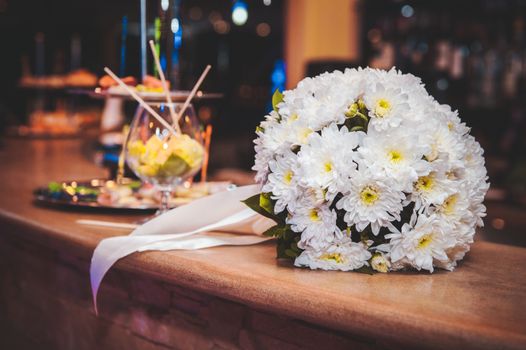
{"x":184,"y":228}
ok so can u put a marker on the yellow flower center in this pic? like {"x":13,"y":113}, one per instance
{"x":448,"y":206}
{"x":395,"y":156}
{"x":328,"y":167}
{"x":294,"y":117}
{"x":369,"y":195}
{"x":288,"y":177}
{"x":425,"y":183}
{"x":450,"y":126}
{"x":303,"y":134}
{"x":382,"y":108}
{"x":425,"y":241}
{"x":313,"y":215}
{"x":336,"y":257}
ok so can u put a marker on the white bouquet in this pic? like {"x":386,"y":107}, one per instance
{"x":364,"y":170}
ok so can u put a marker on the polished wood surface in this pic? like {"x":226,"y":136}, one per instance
{"x":480,"y":305}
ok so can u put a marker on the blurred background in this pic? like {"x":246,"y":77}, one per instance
{"x":470,"y":54}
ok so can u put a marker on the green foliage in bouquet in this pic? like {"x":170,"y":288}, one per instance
{"x":356,"y":117}
{"x":277,"y":97}
{"x":287,"y":247}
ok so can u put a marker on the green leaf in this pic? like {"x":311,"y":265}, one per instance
{"x":281,"y":247}
{"x":352,"y":110}
{"x":259,"y":129}
{"x":276,"y":99}
{"x":288,"y":235}
{"x":276,"y":231}
{"x":54,"y":187}
{"x":357,"y":128}
{"x":363,"y":116}
{"x":291,"y":253}
{"x":253,"y":203}
{"x":287,"y":244}
{"x":294,"y":246}
{"x":266,"y":202}
{"x":365,"y":269}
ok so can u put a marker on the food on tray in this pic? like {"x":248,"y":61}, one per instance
{"x":77,"y":78}
{"x":130,"y":194}
{"x":81,"y":78}
{"x":106,"y":81}
{"x":149,"y":84}
{"x":72,"y":191}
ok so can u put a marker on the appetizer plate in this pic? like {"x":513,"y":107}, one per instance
{"x":130,"y":194}
{"x":177,"y":96}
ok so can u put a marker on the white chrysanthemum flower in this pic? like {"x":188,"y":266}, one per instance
{"x":343,"y":254}
{"x":386,"y":105}
{"x":474,"y":169}
{"x":445,"y":144}
{"x":261,"y":161}
{"x":274,"y":137}
{"x":282,"y":182}
{"x":453,"y":122}
{"x":431,"y":189}
{"x":264,"y":153}
{"x":454,"y":254}
{"x":316,"y":223}
{"x":479,"y":211}
{"x":398,"y":153}
{"x":454,"y":208}
{"x":322,"y":164}
{"x":463,"y":234}
{"x":320,"y":103}
{"x":475,"y":176}
{"x":474,"y":157}
{"x":421,"y":243}
{"x":371,"y":199}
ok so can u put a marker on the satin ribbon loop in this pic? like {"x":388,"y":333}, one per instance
{"x":185,"y":228}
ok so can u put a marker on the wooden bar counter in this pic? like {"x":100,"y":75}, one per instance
{"x":226,"y":297}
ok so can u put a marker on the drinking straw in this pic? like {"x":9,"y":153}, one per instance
{"x":208,"y":137}
{"x":175,"y":120}
{"x":140,"y":101}
{"x":193,"y":92}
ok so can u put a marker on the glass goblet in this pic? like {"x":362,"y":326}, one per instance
{"x":161,"y":157}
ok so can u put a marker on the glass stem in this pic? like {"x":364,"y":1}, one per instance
{"x":165,"y":199}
